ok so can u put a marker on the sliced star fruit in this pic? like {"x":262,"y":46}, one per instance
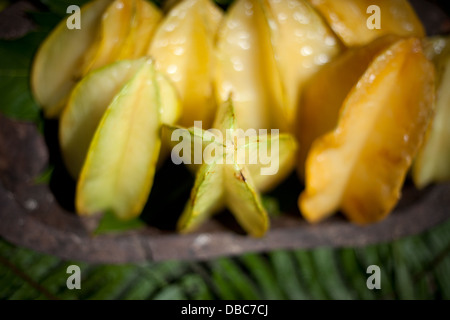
{"x":183,"y":50}
{"x":125,"y":32}
{"x":267,"y":172}
{"x":206,"y":198}
{"x":222,"y":181}
{"x":246,"y":66}
{"x":225,"y":177}
{"x":360,"y":166}
{"x":350,"y":19}
{"x":244,"y":201}
{"x":302,"y":42}
{"x":269,"y":158}
{"x":92,"y":96}
{"x":56,"y":66}
{"x":432,"y":163}
{"x":324,"y":94}
{"x":118,"y":172}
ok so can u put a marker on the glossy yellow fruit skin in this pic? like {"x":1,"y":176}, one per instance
{"x":285,"y":162}
{"x":147,"y":18}
{"x":432,"y":164}
{"x":110,"y":31}
{"x":183,"y":49}
{"x":360,"y":166}
{"x":246,"y":66}
{"x":92,"y":96}
{"x":302,"y":43}
{"x":324,"y":94}
{"x":87,"y":104}
{"x":114,"y":28}
{"x":118,"y":172}
{"x":57,"y":64}
{"x":349,"y":19}
{"x":224,"y":182}
{"x":126,"y":29}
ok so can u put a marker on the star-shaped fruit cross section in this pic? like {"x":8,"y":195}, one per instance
{"x":234,"y":166}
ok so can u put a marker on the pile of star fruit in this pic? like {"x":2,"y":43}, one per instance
{"x":356,"y":106}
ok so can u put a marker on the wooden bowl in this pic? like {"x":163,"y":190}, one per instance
{"x":40,"y":216}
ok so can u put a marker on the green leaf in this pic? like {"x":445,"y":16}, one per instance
{"x":110,"y":223}
{"x":226,"y":290}
{"x":403,"y":280}
{"x":140,"y":289}
{"x":329,"y":275}
{"x":172,"y":292}
{"x":286,"y":272}
{"x":442,"y":275}
{"x":38,"y":270}
{"x":263,"y":273}
{"x":117,"y":283}
{"x":355,"y":274}
{"x":55,"y":281}
{"x":417,"y":256}
{"x":195,"y":287}
{"x":309,"y":275}
{"x":44,"y":178}
{"x":380,"y":256}
{"x":239,"y":282}
{"x":271,"y":205}
{"x":16,"y":100}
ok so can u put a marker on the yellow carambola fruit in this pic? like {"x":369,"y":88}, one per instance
{"x":283,"y":145}
{"x":302,"y":43}
{"x":115,"y":27}
{"x":246,"y":66}
{"x":360,"y":166}
{"x":432,"y":163}
{"x":110,"y":31}
{"x":183,"y":50}
{"x":222,"y":181}
{"x":356,"y":21}
{"x":57,"y":64}
{"x":127,"y":27}
{"x":319,"y":112}
{"x":234,"y":166}
{"x":285,"y":161}
{"x":146,"y":20}
{"x":89,"y":100}
{"x":118,"y":172}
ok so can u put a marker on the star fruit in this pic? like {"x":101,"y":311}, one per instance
{"x":354,"y":21}
{"x":227,"y":176}
{"x":89,"y":100}
{"x":109,"y":31}
{"x":126,"y":29}
{"x":324,"y":94}
{"x":56,"y":66}
{"x":117,"y":174}
{"x":246,"y":65}
{"x":432,"y":164}
{"x":360,"y":166}
{"x":183,"y":49}
{"x":267,"y":51}
{"x":302,"y":44}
